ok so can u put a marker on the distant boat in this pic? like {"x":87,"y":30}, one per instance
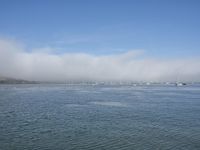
{"x":180,"y":84}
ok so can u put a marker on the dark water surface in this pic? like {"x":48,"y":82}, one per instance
{"x":60,"y":117}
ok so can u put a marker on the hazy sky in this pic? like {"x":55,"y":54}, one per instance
{"x":100,"y":40}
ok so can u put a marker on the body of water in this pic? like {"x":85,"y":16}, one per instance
{"x":86,"y":117}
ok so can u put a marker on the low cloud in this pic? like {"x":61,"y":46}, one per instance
{"x":43,"y":65}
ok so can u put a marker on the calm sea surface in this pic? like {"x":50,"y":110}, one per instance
{"x":60,"y":117}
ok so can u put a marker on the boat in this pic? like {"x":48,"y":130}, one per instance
{"x":180,"y":84}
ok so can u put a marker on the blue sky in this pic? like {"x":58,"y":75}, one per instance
{"x":162,"y":28}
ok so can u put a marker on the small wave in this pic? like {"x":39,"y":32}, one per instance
{"x":113,"y":104}
{"x":74,"y":105}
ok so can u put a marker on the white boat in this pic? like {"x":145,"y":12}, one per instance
{"x":180,"y":84}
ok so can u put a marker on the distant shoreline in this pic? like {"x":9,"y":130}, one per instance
{"x":6,"y":80}
{"x":15,"y":82}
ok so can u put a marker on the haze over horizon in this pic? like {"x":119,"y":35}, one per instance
{"x":100,"y":41}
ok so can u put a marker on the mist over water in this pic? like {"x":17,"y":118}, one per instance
{"x":44,"y":65}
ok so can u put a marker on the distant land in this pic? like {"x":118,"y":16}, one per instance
{"x":7,"y":80}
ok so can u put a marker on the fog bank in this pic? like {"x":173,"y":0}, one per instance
{"x":41,"y":65}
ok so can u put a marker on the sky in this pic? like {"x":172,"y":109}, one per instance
{"x":151,"y":40}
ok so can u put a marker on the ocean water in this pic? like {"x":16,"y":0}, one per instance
{"x":86,"y":117}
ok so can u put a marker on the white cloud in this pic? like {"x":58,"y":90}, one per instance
{"x":44,"y":66}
